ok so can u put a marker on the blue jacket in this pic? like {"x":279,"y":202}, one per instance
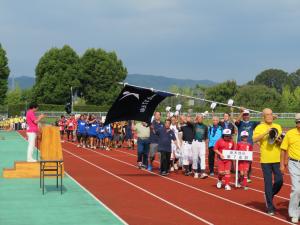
{"x":214,"y":134}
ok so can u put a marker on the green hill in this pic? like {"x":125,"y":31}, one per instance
{"x":153,"y":81}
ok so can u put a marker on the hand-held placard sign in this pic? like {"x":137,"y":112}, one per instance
{"x":237,"y":155}
{"x":135,"y":103}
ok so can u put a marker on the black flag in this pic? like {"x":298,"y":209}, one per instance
{"x":135,"y":103}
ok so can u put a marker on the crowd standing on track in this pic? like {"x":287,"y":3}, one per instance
{"x":91,"y":132}
{"x":13,"y":123}
{"x":183,"y":143}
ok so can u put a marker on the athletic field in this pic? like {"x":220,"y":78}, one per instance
{"x":22,"y":202}
{"x":135,"y":196}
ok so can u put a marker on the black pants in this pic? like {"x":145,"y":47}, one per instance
{"x":250,"y":170}
{"x":271,"y":189}
{"x":70,"y":133}
{"x":211,"y":159}
{"x":165,"y":161}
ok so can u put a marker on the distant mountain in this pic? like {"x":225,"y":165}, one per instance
{"x":164,"y":83}
{"x":153,"y":81}
{"x":23,"y":82}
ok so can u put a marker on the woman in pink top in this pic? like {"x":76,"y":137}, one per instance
{"x":32,"y":129}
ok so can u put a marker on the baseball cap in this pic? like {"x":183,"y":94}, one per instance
{"x":246,"y":111}
{"x":226,"y":132}
{"x":297,"y":116}
{"x":244,"y":134}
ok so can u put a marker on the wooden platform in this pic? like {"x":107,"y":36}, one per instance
{"x":23,"y":169}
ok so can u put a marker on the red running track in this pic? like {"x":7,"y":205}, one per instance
{"x":141,"y":197}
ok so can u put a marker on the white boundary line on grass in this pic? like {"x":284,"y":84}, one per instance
{"x":88,"y":192}
{"x":140,"y":188}
{"x":194,"y":188}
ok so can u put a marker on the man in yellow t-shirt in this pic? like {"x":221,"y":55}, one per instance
{"x":269,"y":157}
{"x":291,"y":144}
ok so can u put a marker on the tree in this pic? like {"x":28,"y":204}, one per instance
{"x":258,"y":97}
{"x":287,"y":103}
{"x":272,"y":78}
{"x":296,"y":106}
{"x":4,"y":73}
{"x":14,"y":96}
{"x":57,"y":71}
{"x":101,"y":72}
{"x":222,"y":92}
{"x":294,"y":80}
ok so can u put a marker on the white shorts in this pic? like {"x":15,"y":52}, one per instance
{"x":198,"y":151}
{"x":176,"y":152}
{"x":187,"y":156}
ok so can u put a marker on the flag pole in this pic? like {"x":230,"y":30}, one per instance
{"x":187,"y":96}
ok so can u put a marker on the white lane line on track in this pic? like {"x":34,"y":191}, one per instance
{"x":260,"y":178}
{"x":140,"y":188}
{"x":193,"y":187}
{"x":89,"y":193}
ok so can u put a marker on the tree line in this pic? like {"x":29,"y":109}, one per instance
{"x":94,"y":78}
{"x":273,"y":88}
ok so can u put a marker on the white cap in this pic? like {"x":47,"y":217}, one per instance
{"x":230,"y":102}
{"x":168,"y":108}
{"x":246,"y":111}
{"x":213,"y":105}
{"x":226,"y":132}
{"x":244,"y":133}
{"x":176,"y":113}
{"x":178,"y":107}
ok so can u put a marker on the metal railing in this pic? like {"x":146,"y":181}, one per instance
{"x":164,"y":114}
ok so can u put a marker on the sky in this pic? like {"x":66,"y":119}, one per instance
{"x":196,"y":39}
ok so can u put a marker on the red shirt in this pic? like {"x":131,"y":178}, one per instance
{"x":224,"y":145}
{"x":71,"y":124}
{"x":61,"y":124}
{"x":244,"y":146}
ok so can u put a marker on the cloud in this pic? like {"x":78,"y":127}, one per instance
{"x":196,"y":39}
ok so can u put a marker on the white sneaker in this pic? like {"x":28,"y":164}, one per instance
{"x":239,"y":185}
{"x":175,"y":166}
{"x":227,"y":187}
{"x":172,"y":169}
{"x":294,"y":220}
{"x":203,"y":176}
{"x":219,"y":184}
{"x":196,"y":175}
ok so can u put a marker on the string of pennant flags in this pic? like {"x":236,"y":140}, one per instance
{"x":139,"y":103}
{"x":213,"y":105}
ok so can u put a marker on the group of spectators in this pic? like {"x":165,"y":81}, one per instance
{"x":13,"y":123}
{"x":91,"y":132}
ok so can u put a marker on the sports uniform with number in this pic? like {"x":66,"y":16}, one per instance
{"x":244,"y":146}
{"x":223,"y":164}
